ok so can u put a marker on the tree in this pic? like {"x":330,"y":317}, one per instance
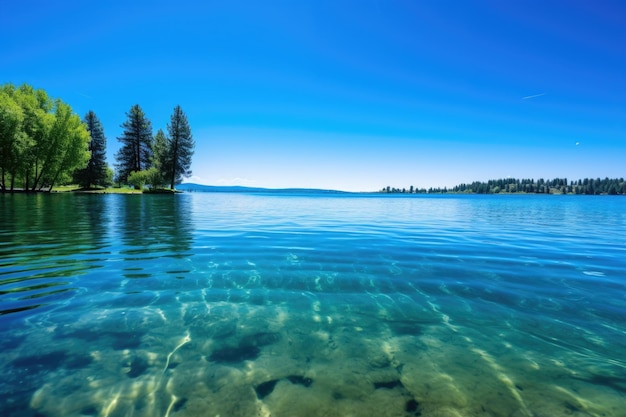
{"x":69,"y":149}
{"x":109,"y":177}
{"x":11,"y":134}
{"x":154,"y":179}
{"x":160,"y":158}
{"x":138,"y":179}
{"x":41,"y":145}
{"x":180,"y":147}
{"x":149,"y":177}
{"x":96,"y":172}
{"x":31,"y":144}
{"x":136,"y":151}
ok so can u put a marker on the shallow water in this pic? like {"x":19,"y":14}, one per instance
{"x":308,"y":305}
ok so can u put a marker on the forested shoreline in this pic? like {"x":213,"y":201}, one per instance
{"x":43,"y":143}
{"x":586,"y":186}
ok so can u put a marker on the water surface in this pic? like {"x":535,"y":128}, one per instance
{"x":304,"y":305}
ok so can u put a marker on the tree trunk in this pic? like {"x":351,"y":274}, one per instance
{"x":174,"y":160}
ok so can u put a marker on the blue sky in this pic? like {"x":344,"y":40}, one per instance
{"x":351,"y":95}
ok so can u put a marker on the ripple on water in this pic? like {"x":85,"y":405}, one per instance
{"x":255,"y":305}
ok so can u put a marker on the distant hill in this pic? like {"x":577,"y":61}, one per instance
{"x":251,"y":190}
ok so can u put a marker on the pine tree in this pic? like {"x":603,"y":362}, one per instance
{"x":180,"y":147}
{"x":96,"y":171}
{"x":160,"y":158}
{"x":136,"y":151}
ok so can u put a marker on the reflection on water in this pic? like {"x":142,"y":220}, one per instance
{"x":45,"y":242}
{"x":155,"y":227}
{"x":236,"y":305}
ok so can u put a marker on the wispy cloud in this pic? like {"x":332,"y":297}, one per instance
{"x":194,"y":179}
{"x":533,"y":96}
{"x":83,"y":94}
{"x":235,"y":181}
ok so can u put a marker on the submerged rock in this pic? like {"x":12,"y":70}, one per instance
{"x":264,"y":389}
{"x":235,"y":354}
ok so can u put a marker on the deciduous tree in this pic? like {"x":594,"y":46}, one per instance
{"x":41,"y":145}
{"x":11,"y":134}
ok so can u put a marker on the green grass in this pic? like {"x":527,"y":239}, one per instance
{"x":109,"y":190}
{"x":65,"y":188}
{"x":97,"y":190}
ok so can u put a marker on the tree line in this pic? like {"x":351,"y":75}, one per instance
{"x":43,"y":143}
{"x":587,"y":186}
{"x":160,"y":160}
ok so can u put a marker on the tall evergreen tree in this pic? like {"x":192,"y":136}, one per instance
{"x":136,"y":151}
{"x":96,"y":171}
{"x":180,"y":147}
{"x":160,"y":159}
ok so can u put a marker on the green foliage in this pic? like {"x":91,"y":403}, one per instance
{"x":138,"y":179}
{"x":161,"y":160}
{"x":136,"y":151}
{"x":589,"y":186}
{"x":42,"y":141}
{"x":150,"y":177}
{"x":154,"y":178}
{"x":180,"y":147}
{"x":96,"y":172}
{"x":110,"y":173}
{"x":11,"y":135}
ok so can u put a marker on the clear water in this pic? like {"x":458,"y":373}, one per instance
{"x":273,"y":305}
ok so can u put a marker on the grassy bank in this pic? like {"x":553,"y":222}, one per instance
{"x":109,"y":190}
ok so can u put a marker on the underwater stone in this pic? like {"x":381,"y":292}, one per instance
{"x":129,"y":340}
{"x":180,"y":403}
{"x":137,"y":367}
{"x":337,"y":395}
{"x":89,"y":411}
{"x":260,"y":339}
{"x":44,"y":362}
{"x":78,"y":361}
{"x":119,"y":340}
{"x":411,"y":407}
{"x":264,"y":389}
{"x":405,"y":328}
{"x":247,"y":349}
{"x":379,"y":361}
{"x":388,"y":385}
{"x":235,"y":354}
{"x":300,"y":380}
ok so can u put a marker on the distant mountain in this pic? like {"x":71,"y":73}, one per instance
{"x":251,"y":190}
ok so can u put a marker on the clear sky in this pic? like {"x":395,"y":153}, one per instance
{"x":351,"y":95}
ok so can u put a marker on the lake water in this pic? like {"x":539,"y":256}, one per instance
{"x":294,"y":305}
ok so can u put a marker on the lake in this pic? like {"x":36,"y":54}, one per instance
{"x":216,"y":304}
